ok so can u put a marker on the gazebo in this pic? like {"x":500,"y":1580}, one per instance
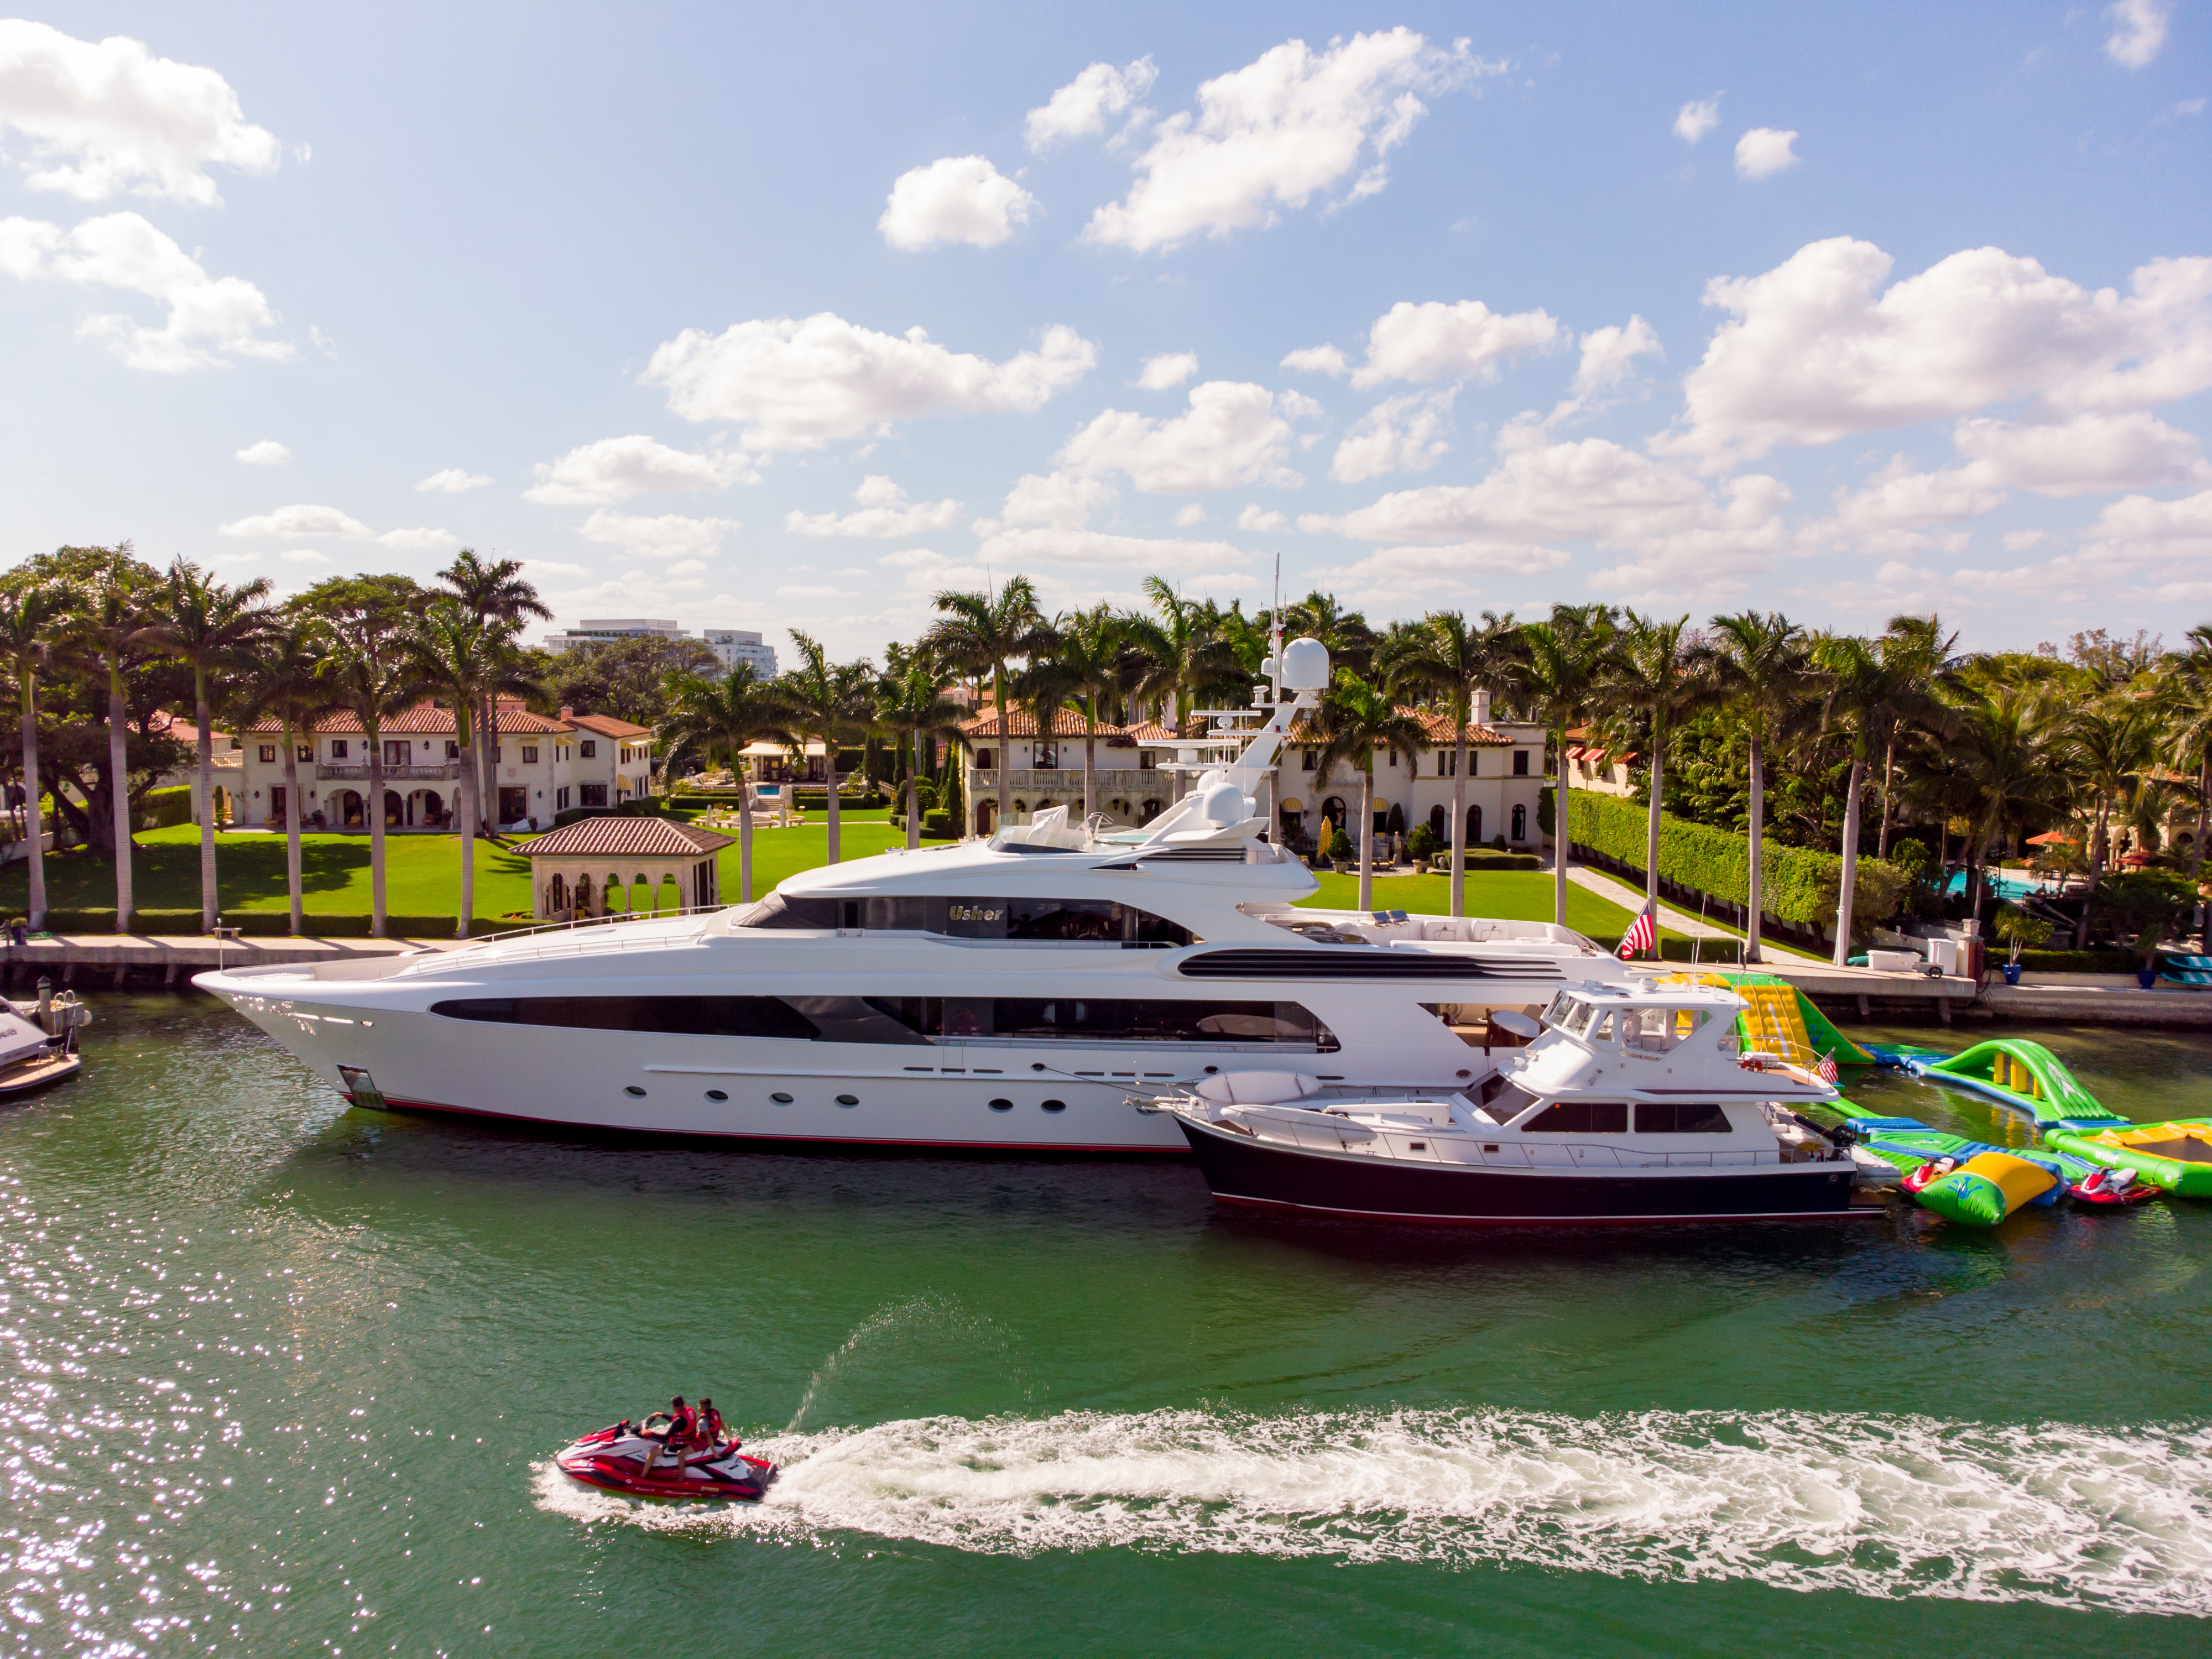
{"x":576,"y":871}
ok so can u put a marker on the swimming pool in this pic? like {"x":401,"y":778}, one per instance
{"x":2009,"y":887}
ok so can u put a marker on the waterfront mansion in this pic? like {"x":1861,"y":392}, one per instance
{"x":1506,"y":776}
{"x":544,"y":766}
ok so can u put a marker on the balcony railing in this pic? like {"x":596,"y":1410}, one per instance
{"x":447,"y":772}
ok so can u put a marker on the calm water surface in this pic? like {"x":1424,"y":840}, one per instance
{"x":282,"y":1378}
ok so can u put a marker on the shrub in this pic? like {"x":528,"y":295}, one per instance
{"x":1340,"y":846}
{"x":1422,"y":842}
{"x":2078,"y":962}
{"x":1497,"y":843}
{"x":574,"y":813}
{"x":1483,"y":858}
{"x":163,"y":808}
{"x":1801,"y":885}
{"x":938,"y":826}
{"x":2150,"y":903}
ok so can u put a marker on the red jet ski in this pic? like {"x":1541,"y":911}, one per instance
{"x":635,"y":1459}
{"x":1928,"y":1174}
{"x":2112,"y":1188}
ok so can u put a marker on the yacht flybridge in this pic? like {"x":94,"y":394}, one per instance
{"x":1003,"y":994}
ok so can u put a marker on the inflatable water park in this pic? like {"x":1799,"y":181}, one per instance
{"x":2081,"y":1153}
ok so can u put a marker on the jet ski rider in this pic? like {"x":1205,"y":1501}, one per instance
{"x":712,"y":1431}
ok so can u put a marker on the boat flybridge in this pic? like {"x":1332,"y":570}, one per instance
{"x":1006,"y":994}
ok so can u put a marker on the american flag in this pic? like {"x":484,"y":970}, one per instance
{"x":1643,"y":935}
{"x":1824,"y":1068}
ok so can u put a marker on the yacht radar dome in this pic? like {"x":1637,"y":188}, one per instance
{"x":1225,"y":804}
{"x":1305,"y":665}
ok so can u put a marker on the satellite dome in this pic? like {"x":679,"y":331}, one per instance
{"x":1225,"y":804}
{"x":1305,"y":665}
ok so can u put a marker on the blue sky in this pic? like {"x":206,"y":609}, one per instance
{"x":1837,"y":310}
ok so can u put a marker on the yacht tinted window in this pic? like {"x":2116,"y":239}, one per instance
{"x":1119,"y":1019}
{"x":1577,"y":1017}
{"x":1504,"y":1101}
{"x":1580,"y":1117}
{"x":1655,"y":1030}
{"x":754,"y":1016}
{"x":1680,"y":1117}
{"x":1063,"y":921}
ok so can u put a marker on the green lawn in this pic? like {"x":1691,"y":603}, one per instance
{"x":1509,"y":895}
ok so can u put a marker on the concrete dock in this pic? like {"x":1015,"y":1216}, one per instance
{"x":118,"y":959}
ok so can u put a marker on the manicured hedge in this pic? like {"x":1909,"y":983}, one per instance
{"x":938,"y":826}
{"x":2066,"y":962}
{"x":163,"y":808}
{"x":1801,"y":885}
{"x":1481,"y":857}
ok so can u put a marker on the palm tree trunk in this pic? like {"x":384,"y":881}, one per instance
{"x":1849,"y":894}
{"x":1889,"y":777}
{"x":744,"y":833}
{"x":120,"y":795}
{"x":1005,"y":744}
{"x":206,"y":782}
{"x":1090,"y":763}
{"x":1561,"y":789}
{"x":292,"y":827}
{"x":1652,"y":817}
{"x":488,"y":763}
{"x":375,"y":828}
{"x":1755,"y":855}
{"x":829,"y":766}
{"x":1459,"y":825}
{"x":1366,"y":839}
{"x":467,"y":826}
{"x":33,"y":831}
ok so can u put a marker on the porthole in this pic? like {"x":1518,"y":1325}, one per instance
{"x":781,"y":1100}
{"x":1055,"y":1105}
{"x":849,"y":1100}
{"x":717,"y":1094}
{"x":634,"y":1090}
{"x":1002,"y":1105}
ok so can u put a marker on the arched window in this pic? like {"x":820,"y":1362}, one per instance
{"x":583,"y":896}
{"x":557,"y":896}
{"x":1474,"y":826}
{"x":1520,"y":823}
{"x":1439,"y":821}
{"x":1332,"y":809}
{"x":1151,"y":809}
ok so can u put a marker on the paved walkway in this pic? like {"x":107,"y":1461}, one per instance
{"x":1630,"y":900}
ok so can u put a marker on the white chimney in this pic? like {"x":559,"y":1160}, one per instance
{"x":1480,"y":714}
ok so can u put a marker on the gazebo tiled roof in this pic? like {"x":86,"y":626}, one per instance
{"x":624,"y":837}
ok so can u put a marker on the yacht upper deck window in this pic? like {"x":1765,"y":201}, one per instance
{"x":1658,"y":1031}
{"x":1075,"y":921}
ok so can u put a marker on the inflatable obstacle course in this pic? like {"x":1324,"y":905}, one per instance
{"x":1780,"y":1019}
{"x":2023,"y":1075}
{"x":1989,"y":1187}
{"x":2175,"y":1156}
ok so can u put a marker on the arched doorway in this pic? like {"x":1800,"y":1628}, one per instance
{"x":350,"y":811}
{"x":557,"y":896}
{"x":1439,"y":821}
{"x":1474,"y":826}
{"x":1520,"y":823}
{"x":395,"y":809}
{"x":583,"y":897}
{"x":987,"y":814}
{"x":1149,"y":811}
{"x":426,"y":809}
{"x":1332,"y":809}
{"x":223,"y":808}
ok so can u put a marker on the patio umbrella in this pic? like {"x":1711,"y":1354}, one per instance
{"x":2051,"y":838}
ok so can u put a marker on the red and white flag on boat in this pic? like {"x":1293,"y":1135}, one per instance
{"x":1826,"y":1068}
{"x":1641,"y":937}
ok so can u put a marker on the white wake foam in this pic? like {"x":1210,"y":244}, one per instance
{"x":2061,"y":1513}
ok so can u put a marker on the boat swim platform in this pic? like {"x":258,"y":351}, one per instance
{"x":120,"y":957}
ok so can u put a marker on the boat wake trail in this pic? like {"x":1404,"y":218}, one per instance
{"x":1885,"y":1506}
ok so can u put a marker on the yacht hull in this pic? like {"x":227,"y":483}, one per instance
{"x":1245,"y":1171}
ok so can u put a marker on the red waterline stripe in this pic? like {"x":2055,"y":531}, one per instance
{"x":1543,"y":1221}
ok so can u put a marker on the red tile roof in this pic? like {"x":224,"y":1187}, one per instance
{"x":425,"y":718}
{"x":625,"y":837}
{"x":608,"y":726}
{"x":1066,"y":723}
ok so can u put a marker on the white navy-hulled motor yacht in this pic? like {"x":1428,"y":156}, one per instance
{"x":1633,"y":1104}
{"x":1007,"y":994}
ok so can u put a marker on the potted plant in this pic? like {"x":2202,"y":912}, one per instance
{"x":1341,"y":854}
{"x":2022,"y":931}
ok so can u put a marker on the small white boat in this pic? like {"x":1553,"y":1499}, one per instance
{"x":1631,"y":1104}
{"x":38,"y":1041}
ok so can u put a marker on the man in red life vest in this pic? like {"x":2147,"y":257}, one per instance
{"x":711,"y":1428}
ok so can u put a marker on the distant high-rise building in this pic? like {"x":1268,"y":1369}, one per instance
{"x":733,"y":645}
{"x":599,"y":631}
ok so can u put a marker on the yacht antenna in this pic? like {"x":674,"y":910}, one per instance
{"x":1275,"y":637}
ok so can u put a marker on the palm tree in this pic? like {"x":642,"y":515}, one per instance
{"x":288,"y":683}
{"x":214,"y":629}
{"x":452,"y":652}
{"x":1350,"y":640}
{"x":2186,"y":694}
{"x":1916,"y":659}
{"x":1762,"y":669}
{"x":2108,"y":750}
{"x":111,"y":628}
{"x":1185,"y":652}
{"x":912,"y":703}
{"x":1557,"y":680}
{"x":1355,"y":719}
{"x":1092,"y":652}
{"x":28,"y":620}
{"x":1660,"y":672}
{"x":1854,"y":699}
{"x":2002,"y":749}
{"x":723,"y":717}
{"x":829,"y":700}
{"x":980,"y":631}
{"x":1441,"y":657}
{"x":369,"y":674}
{"x":495,"y":590}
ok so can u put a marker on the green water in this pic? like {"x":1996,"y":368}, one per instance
{"x":280,"y":1377}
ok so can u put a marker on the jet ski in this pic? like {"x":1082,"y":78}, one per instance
{"x":2111,"y":1188}
{"x":635,"y":1459}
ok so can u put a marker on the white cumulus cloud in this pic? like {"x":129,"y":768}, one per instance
{"x":102,"y":117}
{"x":1167,"y":370}
{"x":207,"y":315}
{"x":1084,"y":105}
{"x":1399,"y":434}
{"x":2084,"y":456}
{"x":1317,"y":360}
{"x":267,"y":453}
{"x":1279,"y":132}
{"x":961,"y":199}
{"x":300,"y":520}
{"x":1064,"y":500}
{"x":800,"y":384}
{"x":1694,"y":120}
{"x":1434,"y":341}
{"x":884,"y":511}
{"x":453,"y":481}
{"x":1609,"y":356}
{"x":657,"y":536}
{"x":1256,"y":517}
{"x":614,"y":468}
{"x":1816,"y":348}
{"x":421,"y":537}
{"x":1092,"y":550}
{"x":2138,"y":31}
{"x":1231,"y":434}
{"x":1762,"y":152}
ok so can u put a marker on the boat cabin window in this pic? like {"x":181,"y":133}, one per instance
{"x":1658,"y":1031}
{"x":1680,"y":1117}
{"x":1100,"y":921}
{"x":1502,"y":1099}
{"x":1601,"y":1030}
{"x":1580,"y":1117}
